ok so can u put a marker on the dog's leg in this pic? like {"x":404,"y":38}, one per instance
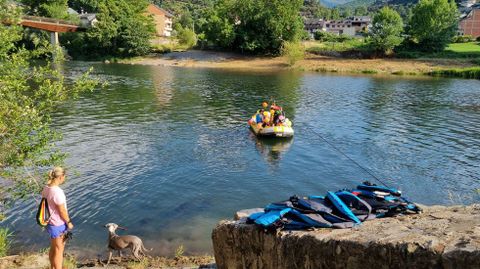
{"x":135,"y":250}
{"x":109,"y":258}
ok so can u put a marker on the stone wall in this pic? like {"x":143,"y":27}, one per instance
{"x":441,"y":237}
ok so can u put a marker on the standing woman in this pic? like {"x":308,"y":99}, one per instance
{"x":59,"y":221}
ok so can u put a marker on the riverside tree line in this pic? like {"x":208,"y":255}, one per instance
{"x":248,"y":26}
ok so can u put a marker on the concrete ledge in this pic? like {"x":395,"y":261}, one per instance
{"x":441,"y":237}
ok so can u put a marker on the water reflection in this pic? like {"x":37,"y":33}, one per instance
{"x":272,"y":149}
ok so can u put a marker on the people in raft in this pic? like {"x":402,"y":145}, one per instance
{"x":270,"y":117}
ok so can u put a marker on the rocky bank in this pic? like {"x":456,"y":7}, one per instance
{"x":440,"y":237}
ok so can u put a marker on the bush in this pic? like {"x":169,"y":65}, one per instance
{"x":187,"y":37}
{"x":343,"y":38}
{"x":162,"y":48}
{"x":330,"y":37}
{"x":293,"y":52}
{"x":324,"y":36}
{"x":5,"y":235}
{"x":463,"y":39}
{"x":478,"y":39}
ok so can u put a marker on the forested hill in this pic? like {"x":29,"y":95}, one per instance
{"x":179,"y":6}
{"x":191,"y":4}
{"x":375,"y":4}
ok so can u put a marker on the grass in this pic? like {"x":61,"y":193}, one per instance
{"x":470,"y":50}
{"x":318,"y":47}
{"x":69,"y":262}
{"x":170,"y":47}
{"x":143,"y":264}
{"x":179,"y":251}
{"x":404,"y":73}
{"x":5,"y":241}
{"x":471,"y":72}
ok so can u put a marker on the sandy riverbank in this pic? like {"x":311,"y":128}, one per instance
{"x":40,"y":261}
{"x":316,"y":63}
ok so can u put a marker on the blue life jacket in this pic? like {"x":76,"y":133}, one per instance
{"x":341,"y":209}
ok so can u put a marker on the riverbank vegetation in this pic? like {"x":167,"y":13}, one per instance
{"x":29,"y":94}
{"x":5,"y":237}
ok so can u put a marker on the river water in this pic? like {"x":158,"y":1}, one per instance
{"x":166,"y":151}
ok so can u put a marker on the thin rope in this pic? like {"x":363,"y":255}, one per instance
{"x":346,"y":156}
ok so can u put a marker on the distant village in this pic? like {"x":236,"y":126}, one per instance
{"x":352,"y":26}
{"x":358,"y":26}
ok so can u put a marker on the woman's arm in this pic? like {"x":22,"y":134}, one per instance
{"x":64,"y":215}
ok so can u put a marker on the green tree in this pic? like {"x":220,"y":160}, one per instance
{"x":48,"y":8}
{"x":347,"y":12}
{"x":386,"y":30}
{"x":361,"y":11}
{"x":123,"y":29}
{"x":28,"y":96}
{"x":313,"y":9}
{"x":433,"y":24}
{"x":259,"y":26}
{"x":334,"y":14}
{"x":218,"y":29}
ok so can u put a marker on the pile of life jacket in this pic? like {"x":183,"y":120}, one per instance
{"x":342,"y":209}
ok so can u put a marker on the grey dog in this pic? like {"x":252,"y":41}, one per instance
{"x":119,"y":242}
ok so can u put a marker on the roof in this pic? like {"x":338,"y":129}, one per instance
{"x":72,"y":11}
{"x":154,"y":9}
{"x":88,"y":16}
{"x":469,"y":10}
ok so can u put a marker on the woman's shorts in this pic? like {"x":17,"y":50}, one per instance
{"x":56,"y":231}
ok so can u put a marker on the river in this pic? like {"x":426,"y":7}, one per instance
{"x":166,"y":151}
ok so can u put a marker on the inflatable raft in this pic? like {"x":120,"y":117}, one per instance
{"x":284,"y":130}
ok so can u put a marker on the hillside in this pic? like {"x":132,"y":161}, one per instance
{"x":377,"y":4}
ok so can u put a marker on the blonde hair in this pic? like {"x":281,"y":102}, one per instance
{"x":55,"y":173}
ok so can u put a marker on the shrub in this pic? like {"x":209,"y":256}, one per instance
{"x":478,"y":39}
{"x":324,"y":36}
{"x":163,"y":48}
{"x":304,"y":35}
{"x":331,"y":37}
{"x":463,"y":39}
{"x":187,"y":37}
{"x":343,"y":38}
{"x":293,"y":52}
{"x":69,"y":262}
{"x":179,"y":251}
